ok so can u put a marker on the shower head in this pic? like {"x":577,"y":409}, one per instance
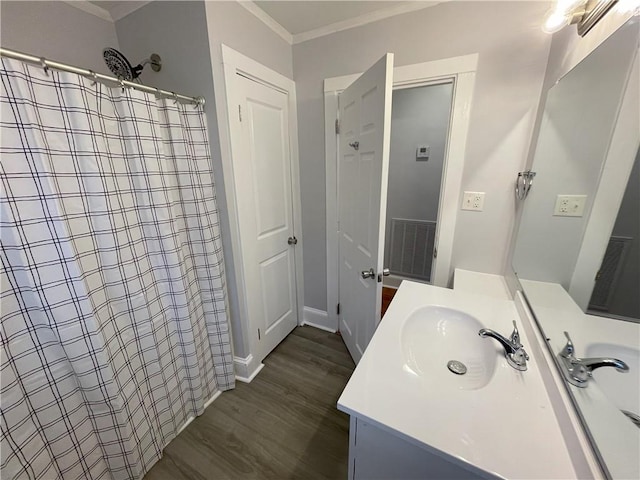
{"x":121,"y":68}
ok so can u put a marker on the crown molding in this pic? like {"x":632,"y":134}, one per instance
{"x":91,"y":8}
{"x":115,"y":14}
{"x":362,"y":20}
{"x":371,"y":17}
{"x":267,"y":20}
{"x":125,"y":8}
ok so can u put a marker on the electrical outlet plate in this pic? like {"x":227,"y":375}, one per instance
{"x":473,"y":201}
{"x":569,"y":205}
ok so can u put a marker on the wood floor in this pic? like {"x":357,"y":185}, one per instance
{"x":387,"y":296}
{"x":283,"y":425}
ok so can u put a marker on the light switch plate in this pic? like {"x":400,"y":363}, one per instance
{"x":570,"y":205}
{"x":473,"y":201}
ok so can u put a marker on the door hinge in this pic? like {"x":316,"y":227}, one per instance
{"x":337,"y":126}
{"x":258,"y":334}
{"x":338,"y":309}
{"x":240,"y":112}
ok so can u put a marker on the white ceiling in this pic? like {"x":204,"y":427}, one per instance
{"x":303,"y":16}
{"x":114,"y":9}
{"x":295,"y":21}
{"x":106,"y":5}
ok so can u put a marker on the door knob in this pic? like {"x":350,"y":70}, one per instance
{"x":355,"y":145}
{"x":292,"y":241}
{"x":386,"y":272}
{"x":368,"y":273}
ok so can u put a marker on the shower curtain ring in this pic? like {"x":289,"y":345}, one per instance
{"x":121,"y":81}
{"x":94,"y":77}
{"x":175,"y":98}
{"x":45,"y":67}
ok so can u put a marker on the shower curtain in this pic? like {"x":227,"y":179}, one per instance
{"x":114,"y":329}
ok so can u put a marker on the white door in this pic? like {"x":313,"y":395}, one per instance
{"x":262,"y":170}
{"x":363,"y":168}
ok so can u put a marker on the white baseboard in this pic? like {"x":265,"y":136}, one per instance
{"x":206,"y":404}
{"x":246,"y":368}
{"x":318,"y":319}
{"x":392,"y":281}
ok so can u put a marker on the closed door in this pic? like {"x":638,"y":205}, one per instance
{"x":363,"y":168}
{"x":262,"y":171}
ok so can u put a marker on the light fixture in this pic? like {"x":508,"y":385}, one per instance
{"x":585,"y":13}
{"x":555,"y":21}
{"x":628,"y":6}
{"x":562,"y":14}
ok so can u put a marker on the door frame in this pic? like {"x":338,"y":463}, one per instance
{"x":462,"y":70}
{"x":234,"y":63}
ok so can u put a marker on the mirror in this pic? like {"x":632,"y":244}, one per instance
{"x":577,"y":251}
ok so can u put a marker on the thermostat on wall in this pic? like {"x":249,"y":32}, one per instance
{"x":422,"y":153}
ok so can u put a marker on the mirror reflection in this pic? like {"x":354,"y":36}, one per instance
{"x":617,"y":282}
{"x":577,"y":253}
{"x":577,"y":137}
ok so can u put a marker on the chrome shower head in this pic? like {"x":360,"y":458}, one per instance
{"x":121,"y":68}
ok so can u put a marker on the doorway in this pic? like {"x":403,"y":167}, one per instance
{"x":459,"y":72}
{"x":420,"y":119}
{"x":261,"y":173}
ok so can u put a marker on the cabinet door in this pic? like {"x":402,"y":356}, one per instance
{"x":378,"y":454}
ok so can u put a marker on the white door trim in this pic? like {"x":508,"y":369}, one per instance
{"x":235,"y":63}
{"x":462,"y":70}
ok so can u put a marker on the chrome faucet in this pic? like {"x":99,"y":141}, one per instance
{"x":577,"y":371}
{"x":513,"y":350}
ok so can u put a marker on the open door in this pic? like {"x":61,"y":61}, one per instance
{"x":363,"y":170}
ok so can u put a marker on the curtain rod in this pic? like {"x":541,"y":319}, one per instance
{"x":45,"y":64}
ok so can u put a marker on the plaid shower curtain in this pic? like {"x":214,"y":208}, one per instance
{"x":114,"y":329}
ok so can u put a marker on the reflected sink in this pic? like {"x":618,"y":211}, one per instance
{"x":432,"y":336}
{"x":623,"y":389}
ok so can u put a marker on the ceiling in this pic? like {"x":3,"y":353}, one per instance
{"x":107,"y":5}
{"x":114,"y":10}
{"x":295,"y":21}
{"x":304,"y":16}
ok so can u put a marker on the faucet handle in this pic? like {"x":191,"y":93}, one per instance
{"x":521,"y":355}
{"x":515,"y":335}
{"x":568,"y":350}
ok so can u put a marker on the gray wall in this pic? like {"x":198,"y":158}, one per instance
{"x":572,"y":147}
{"x":56,"y":31}
{"x":177,"y":31}
{"x":512,"y":60}
{"x":626,"y":301}
{"x":187,"y":35}
{"x":567,"y":50}
{"x":233,"y":25}
{"x":420,"y":116}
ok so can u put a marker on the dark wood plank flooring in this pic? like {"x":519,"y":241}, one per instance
{"x":283,"y":425}
{"x":387,"y":295}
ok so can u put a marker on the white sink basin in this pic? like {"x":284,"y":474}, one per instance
{"x":622,"y":389}
{"x":432,"y":336}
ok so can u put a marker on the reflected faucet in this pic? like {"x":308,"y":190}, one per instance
{"x":577,"y":371}
{"x":513,"y":350}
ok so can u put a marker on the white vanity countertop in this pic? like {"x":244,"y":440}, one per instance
{"x":507,"y":428}
{"x":553,"y":302}
{"x":481,"y":284}
{"x":617,"y":438}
